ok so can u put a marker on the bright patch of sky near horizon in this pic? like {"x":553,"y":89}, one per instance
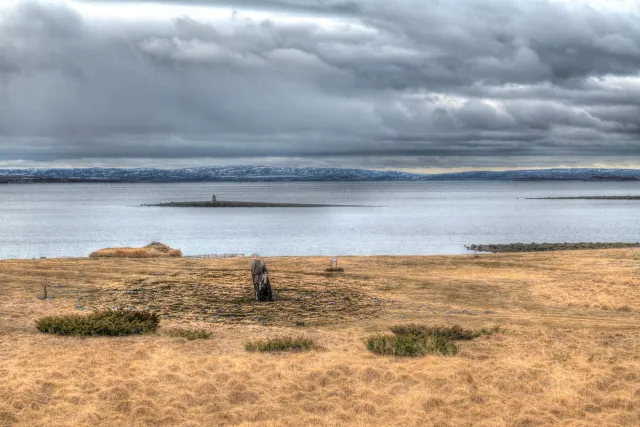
{"x":163,"y":12}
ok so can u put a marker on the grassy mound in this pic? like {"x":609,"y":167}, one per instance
{"x":107,"y":323}
{"x":280,"y":344}
{"x":152,"y":250}
{"x":190,"y":334}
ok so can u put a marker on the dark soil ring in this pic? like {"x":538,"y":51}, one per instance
{"x":193,"y":299}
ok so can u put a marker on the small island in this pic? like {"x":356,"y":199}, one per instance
{"x":215,"y":203}
{"x":587,"y":198}
{"x":232,"y":204}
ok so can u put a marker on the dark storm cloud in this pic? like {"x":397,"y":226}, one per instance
{"x":289,"y":6}
{"x":368,"y":83}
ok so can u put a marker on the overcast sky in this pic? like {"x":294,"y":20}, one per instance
{"x":404,"y":84}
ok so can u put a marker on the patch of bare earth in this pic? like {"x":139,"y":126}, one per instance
{"x":226,"y":296}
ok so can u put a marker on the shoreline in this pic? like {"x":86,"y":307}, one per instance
{"x":473,"y":249}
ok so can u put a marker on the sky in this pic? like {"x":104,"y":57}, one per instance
{"x":420,"y":85}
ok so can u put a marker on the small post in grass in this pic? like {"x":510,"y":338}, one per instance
{"x":333,"y":266}
{"x":45,"y":289}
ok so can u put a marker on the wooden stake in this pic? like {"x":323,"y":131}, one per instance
{"x":45,"y":289}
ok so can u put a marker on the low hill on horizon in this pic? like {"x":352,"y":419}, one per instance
{"x":289,"y":174}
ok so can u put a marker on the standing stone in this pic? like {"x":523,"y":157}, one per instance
{"x":261,"y":284}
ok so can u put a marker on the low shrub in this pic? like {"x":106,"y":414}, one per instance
{"x":441,"y":345}
{"x":455,"y":332}
{"x":334,"y":270}
{"x":410,"y":345}
{"x":108,"y":323}
{"x":394,"y":345}
{"x":418,"y":340}
{"x":190,"y":334}
{"x":280,"y":344}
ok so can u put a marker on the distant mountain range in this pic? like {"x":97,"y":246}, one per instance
{"x":284,"y":174}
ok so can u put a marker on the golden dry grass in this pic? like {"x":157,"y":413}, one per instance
{"x":152,"y":250}
{"x":569,"y":356}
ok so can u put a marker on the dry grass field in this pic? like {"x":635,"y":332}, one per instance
{"x":569,"y":354}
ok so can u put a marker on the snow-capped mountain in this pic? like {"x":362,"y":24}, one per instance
{"x":255,"y":173}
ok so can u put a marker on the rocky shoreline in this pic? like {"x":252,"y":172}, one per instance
{"x":587,"y":198}
{"x":541,"y":247}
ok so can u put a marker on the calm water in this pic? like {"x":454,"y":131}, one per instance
{"x":402,"y":218}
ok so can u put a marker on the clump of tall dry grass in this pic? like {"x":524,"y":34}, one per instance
{"x":152,"y":250}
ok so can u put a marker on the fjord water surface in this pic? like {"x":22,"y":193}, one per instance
{"x":397,"y":218}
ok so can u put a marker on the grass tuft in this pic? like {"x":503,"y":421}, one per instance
{"x":491,"y":331}
{"x":107,"y":323}
{"x":410,"y":345}
{"x":455,"y":332}
{"x":190,"y":334}
{"x":419,"y":340}
{"x":393,"y":345}
{"x":440,"y":345}
{"x":280,"y":344}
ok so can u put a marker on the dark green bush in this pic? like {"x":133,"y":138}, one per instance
{"x":190,"y":334}
{"x":419,"y":340}
{"x":454,"y":332}
{"x":109,"y":323}
{"x":393,"y":345}
{"x":280,"y":344}
{"x":409,"y":345}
